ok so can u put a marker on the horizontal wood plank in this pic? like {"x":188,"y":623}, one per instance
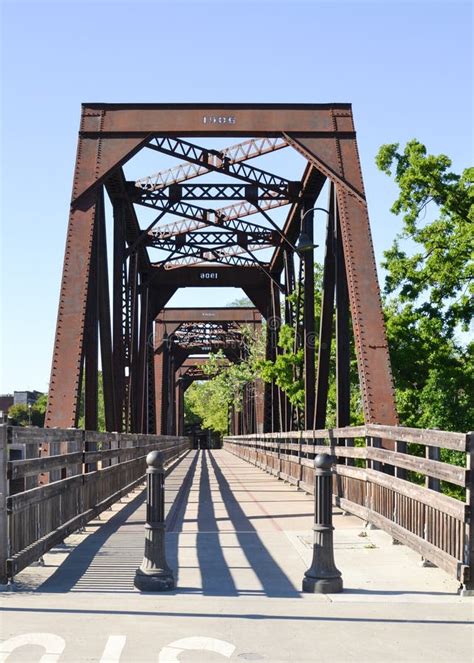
{"x":30,"y":466}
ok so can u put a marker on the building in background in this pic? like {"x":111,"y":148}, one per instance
{"x":6,"y":401}
{"x":26,"y":397}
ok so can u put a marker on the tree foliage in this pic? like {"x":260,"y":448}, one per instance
{"x":429,"y":288}
{"x":437,"y":207}
{"x":20,"y":414}
{"x":211,"y":400}
{"x":207,"y":403}
{"x":287,"y":369}
{"x":100,"y":404}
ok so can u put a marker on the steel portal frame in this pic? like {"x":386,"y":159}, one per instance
{"x":109,"y":136}
{"x":181,"y":333}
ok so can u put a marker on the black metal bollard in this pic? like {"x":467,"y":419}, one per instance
{"x":323,"y":577}
{"x":154,"y":574}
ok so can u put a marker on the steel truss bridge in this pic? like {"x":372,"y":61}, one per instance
{"x":221,"y":207}
{"x":222,"y":215}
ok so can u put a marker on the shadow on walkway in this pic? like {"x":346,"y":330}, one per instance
{"x":106,"y":560}
{"x":275,"y":583}
{"x":80,"y":559}
{"x":216,"y":576}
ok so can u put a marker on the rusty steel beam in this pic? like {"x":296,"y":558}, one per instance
{"x":308,"y":317}
{"x":91,"y":341}
{"x":214,"y":191}
{"x":104,"y":320}
{"x":311,"y":185}
{"x":208,"y":256}
{"x":63,"y":396}
{"x":240,"y":314}
{"x":213,"y":276}
{"x":141,"y":120}
{"x":185,"y":171}
{"x":185,"y":226}
{"x":214,"y":161}
{"x":221,"y":238}
{"x":343,"y":354}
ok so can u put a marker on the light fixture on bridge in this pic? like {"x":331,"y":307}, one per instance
{"x":304,"y":242}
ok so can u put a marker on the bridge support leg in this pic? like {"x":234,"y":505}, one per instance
{"x":154,"y":574}
{"x":323,"y":577}
{"x":308,"y":319}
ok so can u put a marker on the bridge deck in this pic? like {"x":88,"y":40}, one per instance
{"x":239,"y":541}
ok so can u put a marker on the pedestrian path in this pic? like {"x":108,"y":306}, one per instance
{"x":239,"y":541}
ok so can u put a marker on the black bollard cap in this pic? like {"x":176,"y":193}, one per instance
{"x":155,"y":459}
{"x":324,"y":461}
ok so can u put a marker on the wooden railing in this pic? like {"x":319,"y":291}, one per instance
{"x":382,"y":486}
{"x":93,"y":471}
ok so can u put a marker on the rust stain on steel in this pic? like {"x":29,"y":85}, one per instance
{"x":212,"y":119}
{"x":325,"y":154}
{"x":369,"y":329}
{"x":242,"y":314}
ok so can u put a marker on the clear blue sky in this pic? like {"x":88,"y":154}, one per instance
{"x":405,"y":67}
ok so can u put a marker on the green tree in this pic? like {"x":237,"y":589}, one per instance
{"x":100,"y":404}
{"x":212,"y":399}
{"x":429,"y":288}
{"x":287,"y":369}
{"x":21,"y":414}
{"x":208,"y":401}
{"x":241,"y":302}
{"x":190,"y":417}
{"x":437,"y":207}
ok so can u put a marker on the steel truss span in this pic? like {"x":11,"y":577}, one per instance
{"x":304,"y":170}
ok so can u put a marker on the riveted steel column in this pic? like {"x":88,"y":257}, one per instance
{"x":326,"y":320}
{"x":277,"y":405}
{"x":91,"y":343}
{"x":343,"y":358}
{"x":104,"y":318}
{"x":118,"y":312}
{"x":308,"y":321}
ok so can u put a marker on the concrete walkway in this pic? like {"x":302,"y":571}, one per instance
{"x":239,"y":541}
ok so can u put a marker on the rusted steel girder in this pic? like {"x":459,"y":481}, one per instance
{"x":213,"y":161}
{"x":185,"y":171}
{"x":110,"y":134}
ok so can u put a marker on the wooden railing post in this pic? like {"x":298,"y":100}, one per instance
{"x":4,"y":547}
{"x":376,"y":443}
{"x":468,"y":580}
{"x":432,"y":453}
